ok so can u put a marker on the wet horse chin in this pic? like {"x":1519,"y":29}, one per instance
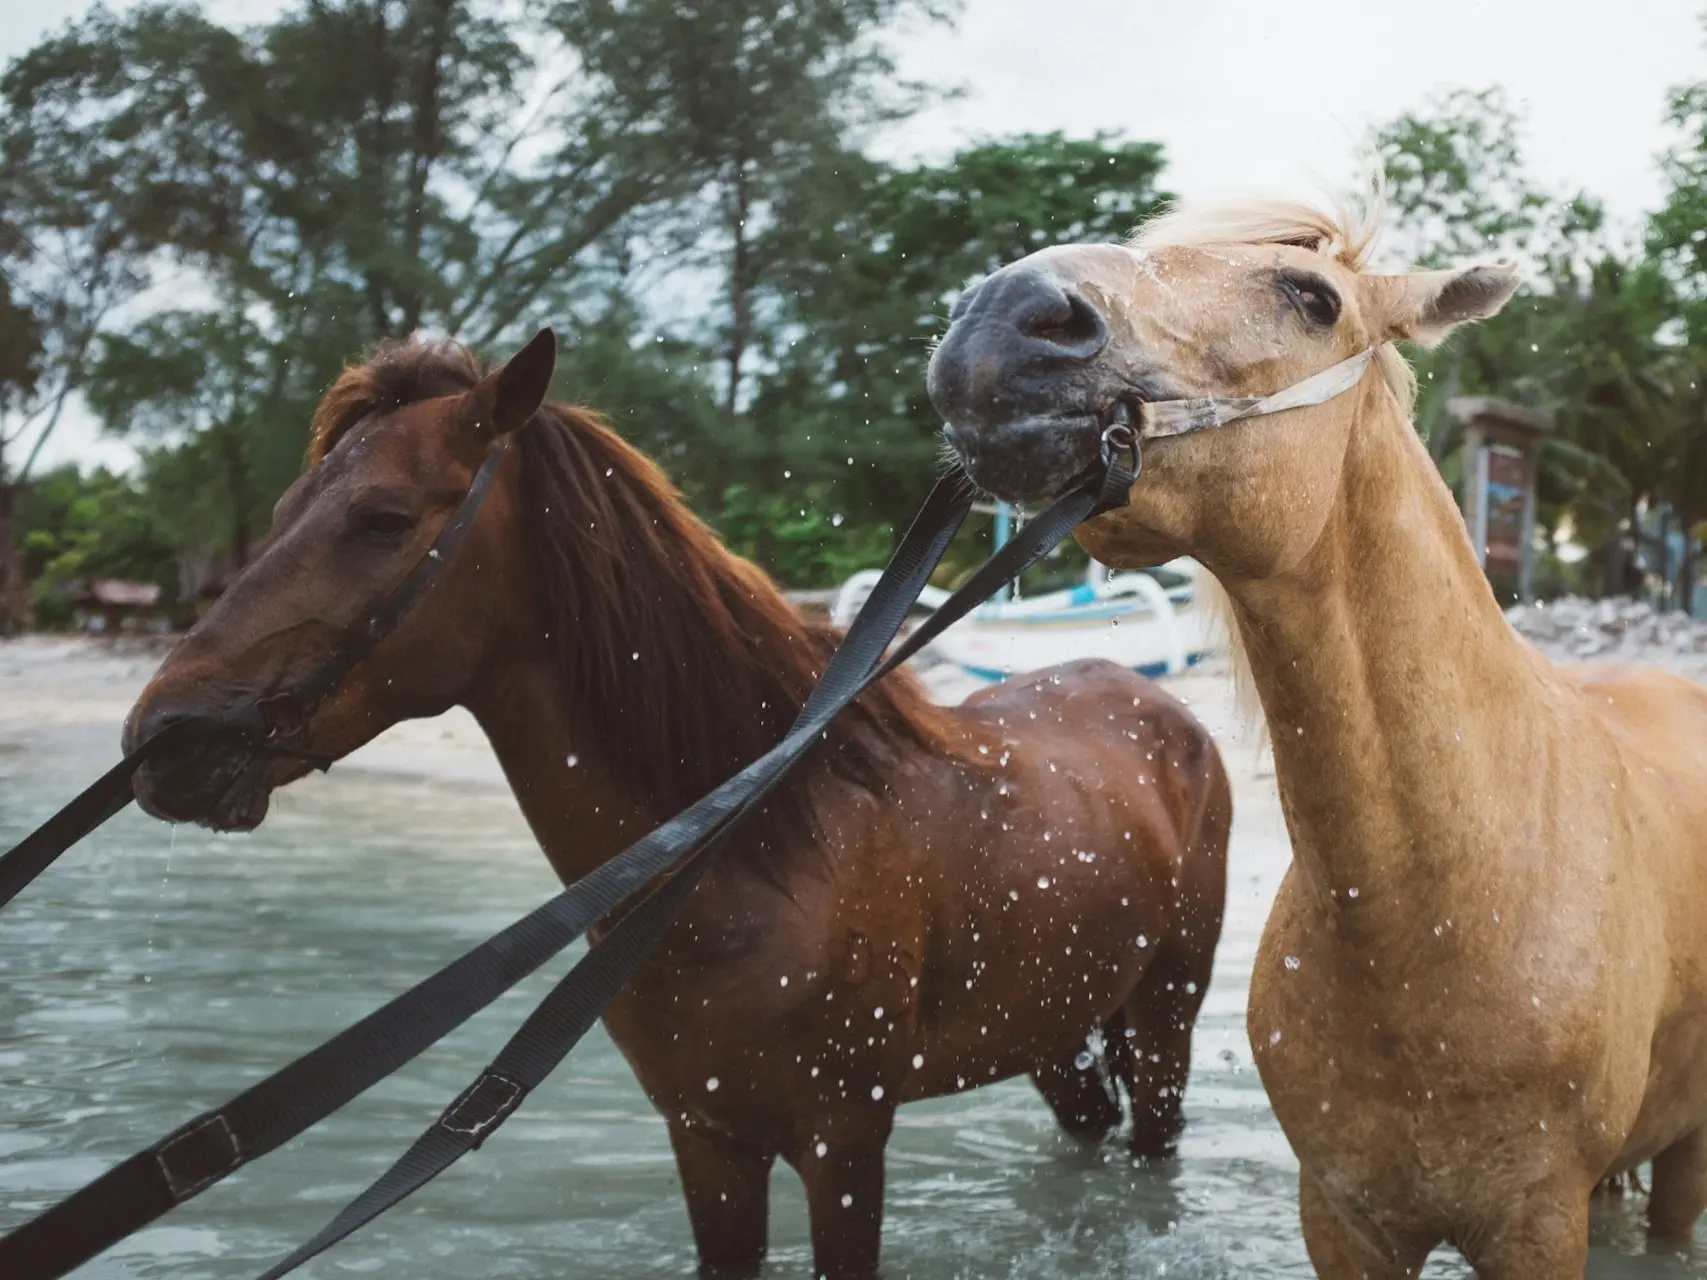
{"x":1029,"y":458}
{"x":225,"y":795}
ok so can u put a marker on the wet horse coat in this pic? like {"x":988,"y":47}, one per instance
{"x":938,"y":900}
{"x":1483,"y":986}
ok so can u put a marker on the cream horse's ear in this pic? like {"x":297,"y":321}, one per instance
{"x":1424,"y":306}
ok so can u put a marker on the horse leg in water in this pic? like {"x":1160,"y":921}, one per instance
{"x":841,"y":1165}
{"x":1545,"y":1234}
{"x":1084,"y":1099}
{"x":1154,"y":1057}
{"x":1679,"y":1192}
{"x":727,"y":1184}
{"x":1340,"y":1250}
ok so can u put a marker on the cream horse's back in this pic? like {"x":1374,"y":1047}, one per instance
{"x":1483,"y":986}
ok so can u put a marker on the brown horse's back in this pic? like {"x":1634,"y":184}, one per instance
{"x":1095,"y":705}
{"x":1134,"y":779}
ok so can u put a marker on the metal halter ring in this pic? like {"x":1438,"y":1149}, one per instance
{"x":1120,"y":435}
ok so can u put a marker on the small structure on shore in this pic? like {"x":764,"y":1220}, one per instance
{"x":1502,"y":443}
{"x":112,"y":605}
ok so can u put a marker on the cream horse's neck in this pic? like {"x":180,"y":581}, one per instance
{"x":1397,"y":696}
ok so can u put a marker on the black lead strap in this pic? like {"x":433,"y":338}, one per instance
{"x":581,"y":997}
{"x":209,"y":1148}
{"x":113,"y":790}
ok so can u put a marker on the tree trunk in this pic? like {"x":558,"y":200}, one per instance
{"x":1663,"y":604}
{"x":237,"y":481}
{"x":740,"y":301}
{"x":1686,"y":568}
{"x":423,"y":153}
{"x":11,"y":579}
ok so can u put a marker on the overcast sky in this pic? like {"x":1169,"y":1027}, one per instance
{"x":1252,"y":95}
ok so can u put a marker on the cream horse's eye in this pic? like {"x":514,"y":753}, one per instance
{"x":1316,"y":300}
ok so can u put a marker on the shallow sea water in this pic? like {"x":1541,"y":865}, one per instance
{"x":156,"y":971}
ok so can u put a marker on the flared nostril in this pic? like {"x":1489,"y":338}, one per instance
{"x":1058,"y":319}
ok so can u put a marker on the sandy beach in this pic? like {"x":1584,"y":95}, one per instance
{"x":53,"y":683}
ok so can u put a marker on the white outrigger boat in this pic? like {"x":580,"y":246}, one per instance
{"x":1148,"y":621}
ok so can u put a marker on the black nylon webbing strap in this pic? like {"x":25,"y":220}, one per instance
{"x":140,"y":1189}
{"x":318,"y":684}
{"x":578,"y":1000}
{"x":148,"y":1184}
{"x":36,"y":852}
{"x":112,"y":791}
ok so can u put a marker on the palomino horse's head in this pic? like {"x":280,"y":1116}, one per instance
{"x":1223,"y":302}
{"x":385,"y":480}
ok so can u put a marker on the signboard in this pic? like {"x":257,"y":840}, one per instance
{"x":1503,"y":472}
{"x":1501,"y":440}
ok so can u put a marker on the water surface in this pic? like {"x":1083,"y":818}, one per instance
{"x":156,"y":971}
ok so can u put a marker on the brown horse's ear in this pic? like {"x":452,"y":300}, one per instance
{"x":1425,"y":306}
{"x":508,"y":396}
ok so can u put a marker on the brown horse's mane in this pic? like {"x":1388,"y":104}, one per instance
{"x":684,"y":661}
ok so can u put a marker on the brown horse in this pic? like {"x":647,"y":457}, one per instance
{"x":1483,"y":986}
{"x":939,"y":899}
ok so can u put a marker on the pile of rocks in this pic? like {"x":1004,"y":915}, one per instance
{"x":1618,"y":627}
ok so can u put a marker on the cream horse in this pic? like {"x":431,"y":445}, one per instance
{"x":1483,"y":986}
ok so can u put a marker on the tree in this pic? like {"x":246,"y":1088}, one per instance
{"x":759,"y":96}
{"x":870,"y":259}
{"x":355,"y":169}
{"x":1457,"y":190}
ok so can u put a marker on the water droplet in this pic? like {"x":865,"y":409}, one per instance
{"x":1274,"y":1036}
{"x":847,"y":1201}
{"x":877,"y":1012}
{"x":1084,"y":1060}
{"x":1351,"y":892}
{"x":877,"y":1093}
{"x":783,"y":981}
{"x":711,"y":1085}
{"x":822,"y":1149}
{"x":836,"y":521}
{"x":918,"y":1060}
{"x":1042,"y":882}
{"x":573,"y":761}
{"x":1291,"y":962}
{"x":1143,"y":941}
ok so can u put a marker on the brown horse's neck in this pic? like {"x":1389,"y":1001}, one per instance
{"x":1393,"y":687}
{"x":637,"y":644}
{"x":578,"y":811}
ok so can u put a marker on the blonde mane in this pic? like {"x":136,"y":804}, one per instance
{"x":1347,"y":236}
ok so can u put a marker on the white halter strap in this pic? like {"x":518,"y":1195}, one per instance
{"x":1162,"y":418}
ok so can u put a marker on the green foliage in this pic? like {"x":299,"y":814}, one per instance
{"x":202,"y":223}
{"x":803,"y":540}
{"x":876,"y":256}
{"x":98,"y":525}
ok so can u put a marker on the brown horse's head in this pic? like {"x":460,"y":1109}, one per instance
{"x":388,"y":468}
{"x":1244,"y":300}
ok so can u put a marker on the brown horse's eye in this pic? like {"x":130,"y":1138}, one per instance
{"x":1315,"y":299}
{"x":383,"y":526}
